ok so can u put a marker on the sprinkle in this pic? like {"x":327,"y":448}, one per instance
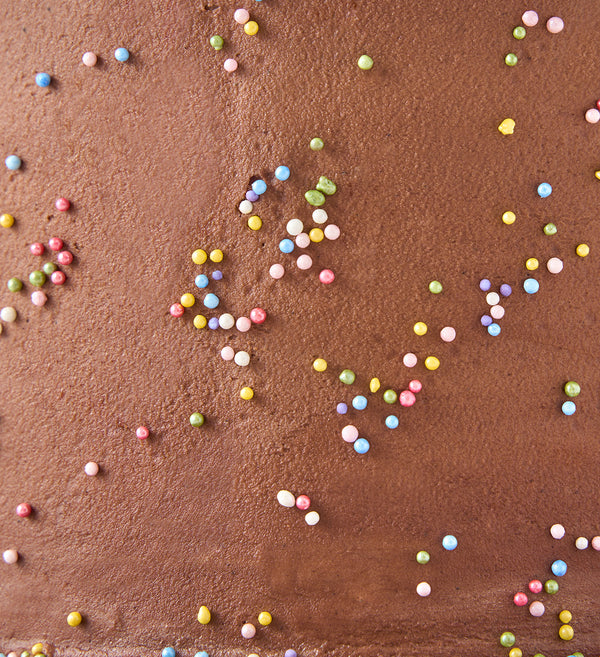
{"x":319,"y":216}
{"x":326,"y":276}
{"x":302,"y":240}
{"x":58,"y":277}
{"x":286,"y":245}
{"x":485,"y":284}
{"x":10,"y":556}
{"x":290,"y":653}
{"x":420,"y":328}
{"x":312,"y":517}
{"x":37,"y":648}
{"x":200,"y":321}
{"x":226,"y":321}
{"x":544,"y":190}
{"x":592,"y":115}
{"x":259,"y":186}
{"x":258,"y":315}
{"x":409,"y":360}
{"x":342,"y":408}
{"x":390,"y":396}
{"x":486,"y":320}
{"x":227,"y":353}
{"x":242,"y":358}
{"x":582,"y":250}
{"x":537,"y":609}
{"x":204,"y":615}
{"x":251,"y":28}
{"x":332,"y":232}
{"x":91,"y":469}
{"x":407,"y":398}
{"x":294,"y":227}
{"x":555,"y":265}
{"x":494,"y":329}
{"x":530,"y":285}
{"x":89,"y":59}
{"x":121,"y":54}
{"x":303,"y":502}
{"x":13,"y":162}
{"x":142,"y":433}
{"x":530,"y":18}
{"x":374,"y":384}
{"x":211,"y":300}
{"x":435,"y":287}
{"x":316,"y":235}
{"x":423,"y":589}
{"x":565,"y":616}
{"x":49,"y":268}
{"x":187,"y":300}
{"x":581,"y":543}
{"x":168,"y":652}
{"x":55,"y":244}
{"x":265,"y":618}
{"x":74,"y":619}
{"x":316,"y":144}
{"x":245,"y":207}
{"x":532,"y":264}
{"x":246,"y":393}
{"x":505,"y":290}
{"x":359,"y":402}
{"x":326,"y":186}
{"x":519,"y":32}
{"x":535,"y":586}
{"x":507,"y":639}
{"x":216,"y":255}
{"x":230,"y":65}
{"x":282,"y":173}
{"x":520,"y":599}
{"x":243,"y":324}
{"x":8,"y":314}
{"x":314,"y":197}
{"x":213,"y":323}
{"x":65,"y":257}
{"x":507,"y":127}
{"x":38,"y":298}
{"x":423,"y":557}
{"x":565,"y":632}
{"x":448,"y":334}
{"x":24,"y":510}
{"x":62,"y":204}
{"x":37,"y":249}
{"x":415,"y":386}
{"x":557,"y":531}
{"x":14,"y":284}
{"x":347,"y":376}
{"x":432,"y":363}
{"x":509,"y":218}
{"x":201,"y":281}
{"x":511,"y":59}
{"x":568,"y":408}
{"x":492,"y":298}
{"x":217,"y":275}
{"x":551,"y":586}
{"x":572,"y":388}
{"x":248,"y":631}
{"x":287,"y":499}
{"x":365,"y":63}
{"x":42,"y":79}
{"x":276,"y":271}
{"x":241,"y":16}
{"x":202,"y":653}
{"x":361,"y":446}
{"x":559,"y":568}
{"x":304,"y":262}
{"x":196,"y":419}
{"x":497,"y":312}
{"x":251,"y":196}
{"x":320,"y":365}
{"x":217,"y":42}
{"x":392,"y":422}
{"x":449,"y":542}
{"x":555,"y":25}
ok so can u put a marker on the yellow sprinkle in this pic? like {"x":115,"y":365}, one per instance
{"x":216,"y":255}
{"x":420,"y":328}
{"x":532,"y":263}
{"x":74,"y":619}
{"x":187,"y":300}
{"x":320,"y":364}
{"x":204,"y":615}
{"x":199,"y":256}
{"x":251,"y":28}
{"x":597,"y":174}
{"x":255,"y":222}
{"x":374,"y":384}
{"x":200,"y":321}
{"x":316,"y":235}
{"x":515,"y":652}
{"x":566,"y":632}
{"x":507,"y":127}
{"x":246,"y":393}
{"x":432,"y":363}
{"x":565,"y":616}
{"x":6,"y":220}
{"x":582,"y":250}
{"x":37,"y":649}
{"x":265,"y":618}
{"x":509,"y":218}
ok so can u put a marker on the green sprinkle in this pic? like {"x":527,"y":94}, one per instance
{"x":316,"y":144}
{"x":572,"y":388}
{"x":550,"y":229}
{"x":14,"y":285}
{"x":196,"y":419}
{"x":519,"y":32}
{"x":348,"y":377}
{"x":49,"y":268}
{"x":551,"y":586}
{"x":390,"y":397}
{"x":511,"y":59}
{"x":365,"y":63}
{"x":507,"y":639}
{"x":37,"y":278}
{"x":326,"y":186}
{"x":423,"y":556}
{"x":538,"y":654}
{"x":435,"y":287}
{"x":314,"y":197}
{"x":216,"y":42}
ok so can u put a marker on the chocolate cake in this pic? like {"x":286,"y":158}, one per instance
{"x":253,"y":469}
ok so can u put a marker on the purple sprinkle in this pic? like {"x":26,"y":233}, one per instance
{"x":213,"y":323}
{"x":342,"y":408}
{"x":486,"y":320}
{"x":290,"y":653}
{"x":484,"y":285}
{"x":505,"y":290}
{"x":252,"y":196}
{"x":217,"y":275}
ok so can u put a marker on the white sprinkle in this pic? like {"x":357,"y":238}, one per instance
{"x":582,"y":543}
{"x":8,"y":314}
{"x":294,"y":227}
{"x":557,"y":531}
{"x":276,"y":271}
{"x":243,"y":324}
{"x":332,"y":232}
{"x":245,"y":207}
{"x":319,"y":216}
{"x":492,"y":298}
{"x":287,"y":499}
{"x":10,"y":556}
{"x":91,"y":469}
{"x":555,"y":265}
{"x":226,"y":321}
{"x":423,"y":589}
{"x":312,"y":518}
{"x":227,"y":353}
{"x":242,"y":358}
{"x":592,"y":115}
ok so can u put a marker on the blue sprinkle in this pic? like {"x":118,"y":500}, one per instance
{"x":201,"y":280}
{"x":544,"y":190}
{"x":391,"y":422}
{"x":168,"y":652}
{"x":217,"y":275}
{"x":449,"y":542}
{"x":13,"y":162}
{"x":282,"y":173}
{"x":486,"y":320}
{"x":42,"y":79}
{"x":505,"y":290}
{"x":568,"y":408}
{"x":202,"y":653}
{"x":361,"y":446}
{"x":286,"y":246}
{"x":259,"y":186}
{"x":530,"y":285}
{"x":494,"y":329}
{"x":559,"y":568}
{"x":359,"y":403}
{"x":484,"y":284}
{"x":213,"y":323}
{"x":342,"y":408}
{"x":211,"y":300}
{"x":121,"y":54}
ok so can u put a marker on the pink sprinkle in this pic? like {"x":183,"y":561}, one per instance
{"x":332,"y":232}
{"x":302,"y":240}
{"x":258,"y":315}
{"x":37,"y":248}
{"x":58,"y":277}
{"x":497,"y":311}
{"x":520,"y":599}
{"x":409,"y":360}
{"x":62,"y":204}
{"x":535,"y":586}
{"x":65,"y":257}
{"x":537,"y":609}
{"x":415,"y":386}
{"x":592,"y":115}
{"x":448,"y":334}
{"x":304,"y":262}
{"x":407,"y":398}
{"x":243,"y":324}
{"x":248,"y":631}
{"x":555,"y":25}
{"x":230,"y":65}
{"x":241,"y":16}
{"x":349,"y":433}
{"x":89,"y":59}
{"x":227,"y":353}
{"x":91,"y":469}
{"x":55,"y":243}
{"x":38,"y":298}
{"x":303,"y":502}
{"x":530,"y":18}
{"x":142,"y":433}
{"x":596,"y":543}
{"x":24,"y":510}
{"x":177,"y":310}
{"x":276,"y":271}
{"x":326,"y":276}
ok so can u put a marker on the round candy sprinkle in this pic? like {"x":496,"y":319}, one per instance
{"x":390,"y":397}
{"x":211,"y":300}
{"x":596,"y":543}
{"x":485,"y":284}
{"x":287,"y":499}
{"x":282,"y":173}
{"x":74,"y":619}
{"x":347,"y":376}
{"x":258,"y":315}
{"x":259,"y":186}
{"x":303,"y":502}
{"x":14,"y":285}
{"x":582,"y":250}
{"x":241,"y":16}
{"x":374,"y":384}
{"x":312,"y":518}
{"x":230,"y":65}
{"x":217,"y":275}
{"x":314,"y":197}
{"x":91,"y":469}
{"x":319,"y":216}
{"x":581,"y":543}
{"x":537,"y":609}
{"x":290,"y":653}
{"x":187,"y":300}
{"x":507,"y":639}
{"x":226,"y":321}
{"x":492,"y":298}
{"x":142,"y":433}
{"x":532,"y":264}
{"x":316,"y":144}
{"x":331,"y":232}
{"x":365,"y":63}
{"x":392,"y":422}
{"x":359,"y":402}
{"x":49,"y":268}
{"x":227,"y":353}
{"x":326,"y":276}
{"x":432,"y":363}
{"x":511,"y":59}
{"x":216,"y":255}
{"x":555,"y":265}
{"x":551,"y":586}
{"x":213,"y":323}
{"x":505,"y":290}
{"x":121,"y":54}
{"x":246,"y":393}
{"x":10,"y":556}
{"x":42,"y":79}
{"x":65,"y":257}
{"x":217,"y":42}
{"x":58,"y":277}
{"x":435,"y":287}
{"x":254,"y":222}
{"x":204,"y":615}
{"x":320,"y":364}
{"x":519,"y":32}
{"x":520,"y":599}
{"x":566,"y":633}
{"x":316,"y":235}
{"x":497,"y":312}
{"x":286,"y":245}
{"x":423,"y":589}
{"x":37,"y":248}
{"x":251,"y":196}
{"x":276,"y":271}
{"x":199,"y":321}
{"x":557,"y":531}
{"x":486,"y":320}
{"x":550,"y":229}
{"x":245,"y":207}
{"x":409,"y":360}
{"x":342,"y":408}
{"x":168,"y":652}
{"x":13,"y":162}
{"x":568,"y":408}
{"x":530,"y":285}
{"x":304,"y":261}
{"x":420,"y":328}
{"x":515,"y":652}
{"x":415,"y":386}
{"x":8,"y":314}
{"x":507,"y":127}
{"x":559,"y":568}
{"x":509,"y":218}
{"x":572,"y":389}
{"x":202,"y":653}
{"x":176,"y":310}
{"x":302,"y":240}
{"x":565,"y":616}
{"x":494,"y":329}
{"x":555,"y":25}
{"x":361,"y":446}
{"x":242,"y":358}
{"x":423,"y":557}
{"x":530,"y":18}
{"x":39,"y":298}
{"x":544,"y":190}
{"x":294,"y":227}
{"x":62,"y":204}
{"x":449,"y":542}
{"x":89,"y":59}
{"x":265,"y":618}
{"x":196,"y":419}
{"x":407,"y":398}
{"x":24,"y":510}
{"x":37,"y":278}
{"x":535,"y":586}
{"x":55,"y":244}
{"x":201,"y":281}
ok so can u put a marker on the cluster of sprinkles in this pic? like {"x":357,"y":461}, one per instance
{"x":242,"y":17}
{"x":496,"y":311}
{"x":530,"y":18}
{"x":302,"y":502}
{"x":449,"y":543}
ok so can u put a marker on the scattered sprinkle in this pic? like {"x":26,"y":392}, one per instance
{"x":555,"y":25}
{"x":265,"y":618}
{"x":89,"y":59}
{"x":316,"y":144}
{"x":449,"y":542}
{"x":121,"y":54}
{"x":365,"y":63}
{"x":10,"y":556}
{"x":312,"y":517}
{"x":91,"y":469}
{"x":248,"y":631}
{"x":448,"y":334}
{"x":509,"y":217}
{"x":537,"y":609}
{"x":423,"y":589}
{"x":544,"y":190}
{"x":74,"y":619}
{"x":530,"y":18}
{"x":43,"y":79}
{"x":204,"y":615}
{"x":511,"y":59}
{"x":507,"y":127}
{"x":13,"y":162}
{"x":582,"y":250}
{"x":196,"y":419}
{"x":287,"y":499}
{"x":246,"y":393}
{"x":216,"y":42}
{"x":230,"y":65}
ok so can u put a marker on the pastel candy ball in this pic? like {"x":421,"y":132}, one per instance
{"x":592,"y":115}
{"x":485,"y":284}
{"x":276,"y":271}
{"x":226,"y":321}
{"x":530,"y":285}
{"x":544,"y":190}
{"x":332,"y":232}
{"x":245,"y":207}
{"x":407,"y":398}
{"x":259,"y":186}
{"x":91,"y":469}
{"x":304,"y":262}
{"x":448,"y":334}
{"x":449,"y":542}
{"x":286,"y":246}
{"x":10,"y":556}
{"x":507,"y":639}
{"x":89,"y":59}
{"x":13,"y":162}
{"x":423,"y":589}
{"x":342,"y":408}
{"x":38,"y":298}
{"x":211,"y":300}
{"x":282,"y":173}
{"x":361,"y":446}
{"x":581,"y":543}
{"x":8,"y":314}
{"x":326,"y":276}
{"x":530,"y":18}
{"x":537,"y":609}
{"x":243,"y":324}
{"x":535,"y":586}
{"x":43,"y":79}
{"x":492,"y":298}
{"x":227,"y":353}
{"x":520,"y":599}
{"x":568,"y":408}
{"x":294,"y":227}
{"x":497,"y":312}
{"x":204,"y":615}
{"x":302,"y":240}
{"x":596,"y":543}
{"x":557,"y":531}
{"x":555,"y":265}
{"x":349,"y":433}
{"x":287,"y":499}
{"x":423,"y":557}
{"x":290,"y":653}
{"x":365,"y":63}
{"x":559,"y":568}
{"x":555,"y":25}
{"x":230,"y":65}
{"x":409,"y":360}
{"x":392,"y":422}
{"x":359,"y":402}
{"x":241,"y":16}
{"x":74,"y":619}
{"x":319,"y":216}
{"x":312,"y":518}
{"x":242,"y":358}
{"x":121,"y":54}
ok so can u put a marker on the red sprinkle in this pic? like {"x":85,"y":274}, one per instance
{"x":24,"y":510}
{"x":62,"y":204}
{"x":303,"y":502}
{"x":65,"y":257}
{"x":327,"y":276}
{"x":258,"y":315}
{"x":58,"y":277}
{"x":55,"y":243}
{"x":415,"y":386}
{"x":520,"y":599}
{"x":407,"y":398}
{"x":37,"y":248}
{"x":535,"y":586}
{"x":598,"y":104}
{"x":142,"y":433}
{"x":177,"y":310}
